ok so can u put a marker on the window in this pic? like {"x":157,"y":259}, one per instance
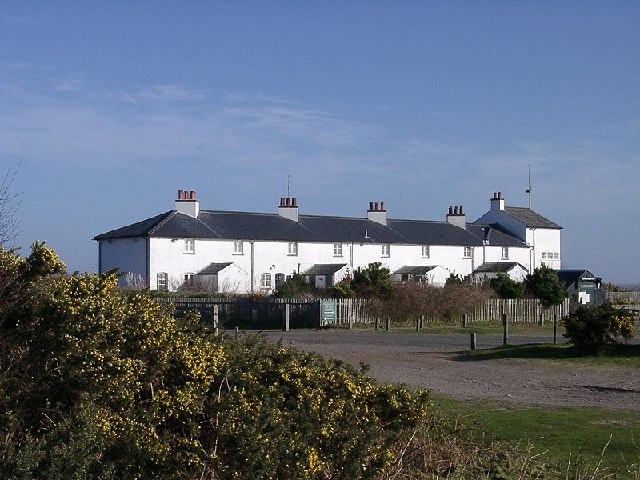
{"x":162,"y":281}
{"x":556,"y":256}
{"x":386,"y":250}
{"x":467,"y":252}
{"x":337,"y":249}
{"x":189,"y":280}
{"x":505,"y":253}
{"x":544,"y":255}
{"x":293,"y":248}
{"x":280,"y":279}
{"x":265,"y":280}
{"x":238,"y":246}
{"x":425,"y":251}
{"x":189,"y":245}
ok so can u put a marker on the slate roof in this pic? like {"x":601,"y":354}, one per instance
{"x":569,"y":277}
{"x":530,"y":218}
{"x":490,"y":267}
{"x":414,"y":270}
{"x":324,"y":268}
{"x":212,"y":224}
{"x":214,"y":268}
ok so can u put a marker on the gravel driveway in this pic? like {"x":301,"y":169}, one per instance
{"x":432,"y":362}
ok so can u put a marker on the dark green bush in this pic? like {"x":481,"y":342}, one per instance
{"x":596,"y":326}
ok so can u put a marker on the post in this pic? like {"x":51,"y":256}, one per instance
{"x":216,"y":319}
{"x":464,"y":320}
{"x":505,"y":324}
{"x":350,"y":322}
{"x":377,"y":322}
{"x":387,"y":326}
{"x":287,"y":317}
{"x":555,"y":326}
{"x":473,"y":340}
{"x":418,"y":325}
{"x":422,"y":321}
{"x":541,"y":319}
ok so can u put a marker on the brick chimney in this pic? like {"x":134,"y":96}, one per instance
{"x":497,"y":202}
{"x":187,"y":203}
{"x":377,"y":213}
{"x":288,"y":208}
{"x":457,"y":217}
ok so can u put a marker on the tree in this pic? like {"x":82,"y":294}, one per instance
{"x":597,"y":326}
{"x":9,"y":202}
{"x":545,"y":285}
{"x":296,"y":286}
{"x":505,"y":287}
{"x":372,"y":282}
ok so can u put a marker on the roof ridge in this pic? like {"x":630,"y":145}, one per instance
{"x":170,"y":214}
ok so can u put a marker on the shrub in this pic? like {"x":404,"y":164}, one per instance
{"x":596,"y":326}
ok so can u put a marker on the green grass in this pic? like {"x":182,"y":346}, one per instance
{"x":628,"y":355}
{"x":485,"y":328}
{"x":562,"y":435}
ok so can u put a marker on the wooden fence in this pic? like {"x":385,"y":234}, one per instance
{"x":269,"y":313}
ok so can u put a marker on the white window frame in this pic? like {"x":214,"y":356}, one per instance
{"x":426,"y":251}
{"x":386,"y":250}
{"x":505,"y":253}
{"x":189,"y":280}
{"x":337,"y":249}
{"x":162,"y":281}
{"x":292,"y":249}
{"x":238,"y":247}
{"x":467,"y":252}
{"x":265,"y":281}
{"x":189,"y":245}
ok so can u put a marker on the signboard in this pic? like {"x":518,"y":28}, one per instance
{"x":328,"y":311}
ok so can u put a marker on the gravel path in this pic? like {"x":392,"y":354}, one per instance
{"x":432,"y":362}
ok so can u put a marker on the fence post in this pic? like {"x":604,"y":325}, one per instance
{"x":216,"y":318}
{"x":377,"y":322}
{"x":422,"y":321}
{"x":505,"y":324}
{"x":417,"y":324}
{"x":473,"y":340}
{"x":287,"y":313}
{"x":555,"y":326}
{"x":464,"y":320}
{"x":387,"y":326}
{"x":541,"y":319}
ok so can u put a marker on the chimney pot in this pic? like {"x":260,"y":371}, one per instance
{"x":179,"y":194}
{"x":381,"y":205}
{"x":500,"y":195}
{"x":192,"y":195}
{"x":371,"y":206}
{"x":294,"y":202}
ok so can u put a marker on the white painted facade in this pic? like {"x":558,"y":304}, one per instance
{"x":258,"y":265}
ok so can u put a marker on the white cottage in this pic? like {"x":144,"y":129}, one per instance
{"x":242,"y":252}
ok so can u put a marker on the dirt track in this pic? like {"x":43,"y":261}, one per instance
{"x":431,"y":362}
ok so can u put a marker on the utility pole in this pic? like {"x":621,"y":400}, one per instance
{"x":529,"y":189}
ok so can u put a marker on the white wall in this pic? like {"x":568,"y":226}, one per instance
{"x":545,"y":241}
{"x":169,"y":256}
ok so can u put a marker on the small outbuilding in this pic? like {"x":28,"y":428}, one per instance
{"x":583,"y":287}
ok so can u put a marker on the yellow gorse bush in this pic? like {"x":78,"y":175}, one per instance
{"x":109,"y":384}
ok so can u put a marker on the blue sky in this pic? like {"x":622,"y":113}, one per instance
{"x":110,"y":107}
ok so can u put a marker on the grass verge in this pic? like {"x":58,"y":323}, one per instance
{"x":574,"y":439}
{"x":628,"y":355}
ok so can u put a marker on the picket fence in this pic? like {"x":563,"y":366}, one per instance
{"x":354,"y":310}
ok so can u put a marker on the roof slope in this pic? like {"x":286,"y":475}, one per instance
{"x":490,"y":267}
{"x":530,"y":218}
{"x":212,"y":224}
